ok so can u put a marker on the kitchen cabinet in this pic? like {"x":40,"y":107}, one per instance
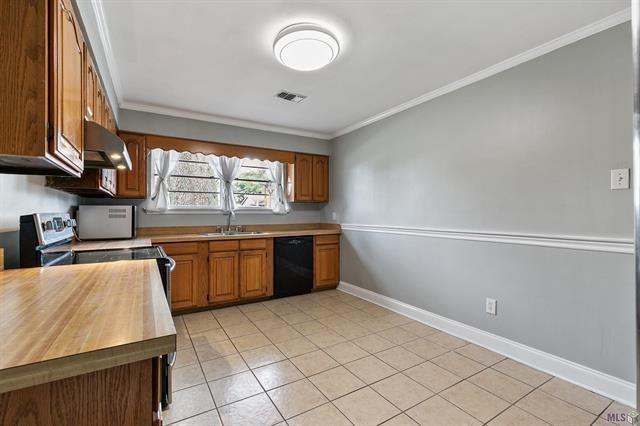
{"x":240,"y":269}
{"x":303,"y":181}
{"x":93,"y":182}
{"x":309,"y":179}
{"x":223,"y":276}
{"x":133,"y":183}
{"x":253,"y":273}
{"x":67,"y":68}
{"x":185,"y":276}
{"x":326,"y":261}
{"x":320,"y":185}
{"x":184,"y":282}
{"x":41,"y":64}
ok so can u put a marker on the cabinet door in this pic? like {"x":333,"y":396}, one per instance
{"x":253,"y":273}
{"x":223,"y":276}
{"x":184,"y":282}
{"x":133,"y":183}
{"x":91,"y":77}
{"x":68,"y":71}
{"x":326,"y":268}
{"x":320,"y":178}
{"x":303,"y":190}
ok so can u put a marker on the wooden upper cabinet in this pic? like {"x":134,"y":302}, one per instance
{"x":253,"y":273}
{"x":223,"y":276}
{"x":68,"y":71}
{"x":310,"y":177}
{"x":90,"y":85}
{"x":303,"y":178}
{"x":133,"y":183}
{"x":320,"y":178}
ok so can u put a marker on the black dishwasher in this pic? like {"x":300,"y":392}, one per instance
{"x":293,"y":266}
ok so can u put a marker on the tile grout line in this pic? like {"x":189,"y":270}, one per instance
{"x":370,"y":332}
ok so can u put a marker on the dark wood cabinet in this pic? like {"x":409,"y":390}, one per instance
{"x":326,"y":261}
{"x":133,"y":183}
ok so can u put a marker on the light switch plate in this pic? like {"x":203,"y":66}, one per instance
{"x":620,"y":179}
{"x":491,"y":306}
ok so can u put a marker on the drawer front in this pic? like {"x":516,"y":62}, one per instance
{"x":252,"y":244}
{"x":180,"y":248}
{"x":223,"y":245}
{"x":327,"y":239}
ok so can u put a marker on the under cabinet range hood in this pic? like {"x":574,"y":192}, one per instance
{"x":103,"y":149}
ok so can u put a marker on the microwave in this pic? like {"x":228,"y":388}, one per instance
{"x":106,"y":222}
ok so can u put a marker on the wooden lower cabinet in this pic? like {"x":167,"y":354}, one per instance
{"x":209,"y":274}
{"x":223,"y":276}
{"x":253,"y":273}
{"x":184,"y":281}
{"x":122,"y":395}
{"x":240,"y":270}
{"x":185,"y":278}
{"x":326,"y":261}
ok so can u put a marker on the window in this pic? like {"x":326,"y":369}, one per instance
{"x":253,"y":187}
{"x":193,"y":185}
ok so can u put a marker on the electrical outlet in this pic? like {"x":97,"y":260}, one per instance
{"x":491,"y":306}
{"x":620,"y":179}
{"x":334,"y":216}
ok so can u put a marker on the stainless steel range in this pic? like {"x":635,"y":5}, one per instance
{"x":45,"y":241}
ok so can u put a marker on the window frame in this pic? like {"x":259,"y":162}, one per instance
{"x":171,"y":209}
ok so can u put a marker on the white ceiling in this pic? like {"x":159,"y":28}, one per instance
{"x":213,"y":60}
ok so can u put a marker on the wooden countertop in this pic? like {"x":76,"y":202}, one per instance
{"x":102,"y":245}
{"x":174,"y":238}
{"x":63,"y":321}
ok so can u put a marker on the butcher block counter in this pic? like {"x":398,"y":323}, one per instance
{"x":82,"y":330}
{"x":101,"y":245}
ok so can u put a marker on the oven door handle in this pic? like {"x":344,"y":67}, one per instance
{"x":172,"y":264}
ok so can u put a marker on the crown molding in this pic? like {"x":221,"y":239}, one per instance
{"x":564,"y":40}
{"x":176,"y":112}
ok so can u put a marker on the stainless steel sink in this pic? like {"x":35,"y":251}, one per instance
{"x":224,"y":233}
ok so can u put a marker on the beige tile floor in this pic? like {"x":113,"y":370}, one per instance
{"x":330,"y":358}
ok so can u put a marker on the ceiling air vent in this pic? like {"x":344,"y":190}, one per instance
{"x":291,"y":97}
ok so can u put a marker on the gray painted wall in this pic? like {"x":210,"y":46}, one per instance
{"x":183,"y":127}
{"x":526,"y":151}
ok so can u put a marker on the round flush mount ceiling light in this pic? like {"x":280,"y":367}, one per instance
{"x":305,"y":47}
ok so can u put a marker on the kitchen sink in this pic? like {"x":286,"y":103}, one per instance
{"x":223,"y":233}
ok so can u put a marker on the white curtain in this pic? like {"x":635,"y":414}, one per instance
{"x":279,"y":204}
{"x":162,"y":164}
{"x":227,"y":169}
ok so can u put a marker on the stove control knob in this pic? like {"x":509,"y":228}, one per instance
{"x":47,"y":226}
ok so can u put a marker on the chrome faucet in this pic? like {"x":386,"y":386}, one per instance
{"x":229,"y":215}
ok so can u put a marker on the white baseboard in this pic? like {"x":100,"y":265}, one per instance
{"x":596,"y":381}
